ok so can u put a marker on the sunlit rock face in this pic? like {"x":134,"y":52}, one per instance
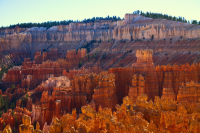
{"x":168,"y":93}
{"x":105,"y":93}
{"x":137,"y":88}
{"x":189,"y":92}
{"x":26,"y":127}
{"x":162,"y":115}
{"x":123,"y":79}
{"x":54,"y":82}
{"x":145,"y":66}
{"x":153,"y":62}
{"x":173,"y":79}
{"x":25,"y":42}
{"x":7,"y":129}
{"x":32,"y":73}
{"x":9,"y":117}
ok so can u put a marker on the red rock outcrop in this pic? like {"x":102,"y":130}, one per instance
{"x":85,"y":83}
{"x":7,"y":129}
{"x":162,"y":115}
{"x":174,"y":76}
{"x":137,"y":88}
{"x":105,"y":93}
{"x":84,"y":88}
{"x":54,"y":82}
{"x":13,"y":117}
{"x":145,"y":66}
{"x":140,"y":80}
{"x":56,"y":104}
{"x":160,"y":35}
{"x":123,"y":79}
{"x":168,"y":93}
{"x":13,"y":75}
{"x":95,"y":69}
{"x":189,"y":92}
{"x":32,"y":73}
{"x":46,"y":128}
{"x":26,"y":127}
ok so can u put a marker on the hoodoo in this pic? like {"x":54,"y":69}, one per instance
{"x":104,"y":75}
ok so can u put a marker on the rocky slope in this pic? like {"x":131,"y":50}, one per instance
{"x":88,"y":69}
{"x":167,"y":37}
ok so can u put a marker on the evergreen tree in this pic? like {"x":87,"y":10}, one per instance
{"x":79,"y":65}
{"x":194,"y":21}
{"x":147,"y":14}
{"x":49,"y":24}
{"x":13,"y":105}
{"x":1,"y":112}
{"x":14,"y":130}
{"x":13,"y":113}
{"x":15,"y":120}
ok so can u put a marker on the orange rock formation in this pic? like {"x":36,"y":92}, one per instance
{"x":26,"y":127}
{"x":105,"y":93}
{"x":189,"y":92}
{"x":32,"y":73}
{"x":137,"y":88}
{"x":57,"y":87}
{"x":145,"y":66}
{"x":162,"y":115}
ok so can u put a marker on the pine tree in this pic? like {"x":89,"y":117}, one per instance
{"x":15,"y":120}
{"x":194,"y":21}
{"x":79,"y":65}
{"x":13,"y":113}
{"x":14,"y":130}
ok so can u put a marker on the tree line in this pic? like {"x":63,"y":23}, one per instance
{"x":164,"y":16}
{"x":49,"y":24}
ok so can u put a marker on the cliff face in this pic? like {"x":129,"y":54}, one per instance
{"x":145,"y":66}
{"x":143,"y":58}
{"x":137,"y":88}
{"x":98,"y":89}
{"x":189,"y":92}
{"x":104,"y":90}
{"x":152,"y":80}
{"x":25,"y":42}
{"x":123,"y":78}
{"x":105,"y":93}
{"x":10,"y":117}
{"x":175,"y":76}
{"x":32,"y":73}
{"x":132,"y":27}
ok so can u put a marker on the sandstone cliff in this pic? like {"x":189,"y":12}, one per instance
{"x":20,"y":43}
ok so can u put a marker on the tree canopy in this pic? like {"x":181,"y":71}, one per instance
{"x":49,"y":24}
{"x":64,"y":22}
{"x":164,"y":16}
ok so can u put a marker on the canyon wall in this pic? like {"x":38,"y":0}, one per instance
{"x":25,"y":42}
{"x":88,"y":69}
{"x":32,"y":73}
